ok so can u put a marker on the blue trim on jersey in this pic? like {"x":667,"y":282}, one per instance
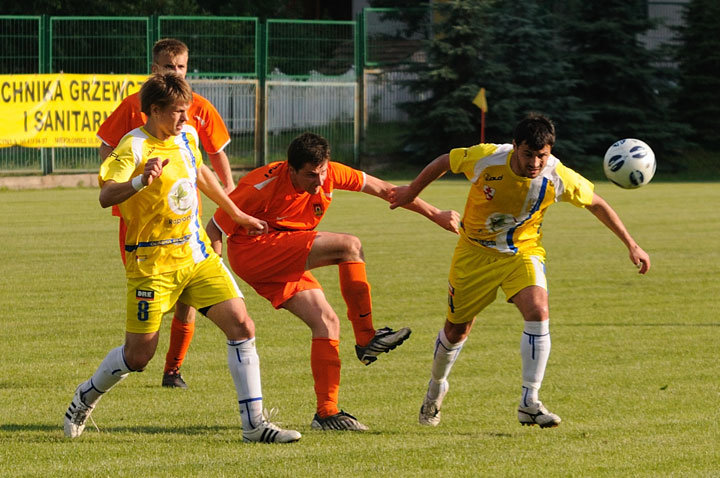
{"x":187,"y":146}
{"x":203,"y":250}
{"x":533,"y":210}
{"x":162,"y":242}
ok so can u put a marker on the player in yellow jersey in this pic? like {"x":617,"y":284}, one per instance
{"x":499,"y":247}
{"x":171,"y":56}
{"x":153,"y":176}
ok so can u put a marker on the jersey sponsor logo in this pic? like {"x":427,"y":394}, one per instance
{"x":488,"y":177}
{"x":489,"y":192}
{"x":144,"y":294}
{"x":182,"y":197}
{"x":318,"y":209}
{"x":174,"y":222}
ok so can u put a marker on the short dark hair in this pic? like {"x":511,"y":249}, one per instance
{"x":163,"y":90}
{"x":536,"y":130}
{"x":170,"y":46}
{"x":308,"y":148}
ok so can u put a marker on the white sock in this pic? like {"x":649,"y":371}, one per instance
{"x":244,"y":366}
{"x":112,"y":371}
{"x":445,"y":355}
{"x":534,"y":350}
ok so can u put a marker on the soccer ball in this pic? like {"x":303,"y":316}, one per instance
{"x":629,"y":163}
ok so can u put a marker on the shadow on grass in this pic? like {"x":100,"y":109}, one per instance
{"x":148,"y":430}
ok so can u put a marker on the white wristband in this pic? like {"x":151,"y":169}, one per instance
{"x":137,"y":182}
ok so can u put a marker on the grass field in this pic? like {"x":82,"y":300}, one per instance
{"x":633,"y":371}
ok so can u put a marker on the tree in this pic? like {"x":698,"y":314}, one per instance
{"x":698,"y":57}
{"x":622,"y":85}
{"x":512,"y":50}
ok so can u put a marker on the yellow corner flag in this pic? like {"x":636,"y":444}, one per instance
{"x":480,"y":100}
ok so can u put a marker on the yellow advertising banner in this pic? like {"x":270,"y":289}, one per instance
{"x":59,"y":110}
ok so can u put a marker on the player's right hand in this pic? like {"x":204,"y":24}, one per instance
{"x":153,"y":169}
{"x":400,"y":196}
{"x":449,"y":220}
{"x":256,"y":227}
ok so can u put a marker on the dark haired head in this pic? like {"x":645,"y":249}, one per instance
{"x":536,"y":130}
{"x":308,"y":148}
{"x":163,"y":90}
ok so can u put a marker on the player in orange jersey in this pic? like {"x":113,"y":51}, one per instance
{"x":292,"y":197}
{"x":170,"y":55}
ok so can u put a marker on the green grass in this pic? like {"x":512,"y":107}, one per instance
{"x":633,"y":371}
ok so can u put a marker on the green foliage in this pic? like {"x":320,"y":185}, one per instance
{"x":622,"y":85}
{"x":698,"y":101}
{"x":632,"y":371}
{"x":452,"y":76}
{"x":523,"y":72}
{"x":512,"y":50}
{"x":264,"y":9}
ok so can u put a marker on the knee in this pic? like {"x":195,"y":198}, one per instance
{"x":353,"y":250}
{"x":184,"y":313}
{"x":329,"y":326}
{"x":537,"y":314}
{"x":456,"y":333}
{"x":137,"y":359}
{"x":242,"y":328}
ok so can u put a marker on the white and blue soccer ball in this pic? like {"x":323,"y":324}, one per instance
{"x":629,"y":163}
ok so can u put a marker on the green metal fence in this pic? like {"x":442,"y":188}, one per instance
{"x":269,"y":80}
{"x":100,"y":44}
{"x":20,"y":44}
{"x":219,"y":47}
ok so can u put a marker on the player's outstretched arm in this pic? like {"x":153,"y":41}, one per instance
{"x":221,"y":166}
{"x":104,"y":151}
{"x":609,"y":217}
{"x":402,"y":195}
{"x":113,"y":193}
{"x":449,"y":220}
{"x":215,"y":235}
{"x":208,"y":184}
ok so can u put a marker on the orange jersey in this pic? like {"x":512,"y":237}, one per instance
{"x":202,"y":116}
{"x":268,"y":194}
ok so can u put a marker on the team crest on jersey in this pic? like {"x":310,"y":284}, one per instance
{"x":182,"y":197}
{"x":499,"y":221}
{"x":489,"y":192}
{"x":318,"y":209}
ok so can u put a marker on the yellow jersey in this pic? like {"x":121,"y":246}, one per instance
{"x":504,"y":212}
{"x":163,"y":224}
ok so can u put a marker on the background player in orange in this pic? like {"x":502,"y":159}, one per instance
{"x":171,"y":55}
{"x":292,"y":197}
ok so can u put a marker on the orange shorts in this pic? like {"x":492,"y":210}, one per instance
{"x":274,"y":264}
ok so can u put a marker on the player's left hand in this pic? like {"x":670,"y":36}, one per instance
{"x":640,"y":258}
{"x":400,"y":196}
{"x":449,"y":220}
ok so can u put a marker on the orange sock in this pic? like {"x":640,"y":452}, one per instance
{"x":180,"y":336}
{"x":325,"y":365}
{"x":355,"y":290}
